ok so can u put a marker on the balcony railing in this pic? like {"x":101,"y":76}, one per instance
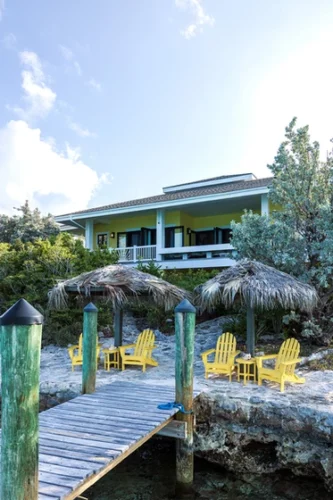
{"x":148,"y":252}
{"x":136,"y":254}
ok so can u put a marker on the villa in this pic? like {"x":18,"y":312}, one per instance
{"x":188,"y":226}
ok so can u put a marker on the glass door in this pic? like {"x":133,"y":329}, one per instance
{"x":174,"y":236}
{"x":218,"y":235}
{"x":148,"y":236}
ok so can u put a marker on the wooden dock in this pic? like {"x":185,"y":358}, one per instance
{"x":83,"y":439}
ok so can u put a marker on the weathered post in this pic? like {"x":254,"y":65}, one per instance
{"x":21,"y":336}
{"x":89,"y":349}
{"x":118,"y":327}
{"x":185,"y":331}
{"x":250,"y":334}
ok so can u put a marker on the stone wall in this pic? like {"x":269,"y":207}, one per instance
{"x":263,"y":435}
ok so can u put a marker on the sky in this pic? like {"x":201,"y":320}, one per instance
{"x":111,"y":100}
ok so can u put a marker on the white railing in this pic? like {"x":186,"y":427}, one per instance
{"x":148,"y":252}
{"x":222,"y":250}
{"x":136,"y":254}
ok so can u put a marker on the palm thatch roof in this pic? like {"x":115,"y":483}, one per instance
{"x":119,"y":284}
{"x":256,"y":286}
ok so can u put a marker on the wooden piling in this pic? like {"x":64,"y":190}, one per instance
{"x":21,"y":335}
{"x":185,"y":332}
{"x":89,"y":367}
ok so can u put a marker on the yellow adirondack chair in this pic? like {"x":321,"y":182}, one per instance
{"x":142,"y":354}
{"x":284,"y":369}
{"x":225,"y":353}
{"x":76,"y":354}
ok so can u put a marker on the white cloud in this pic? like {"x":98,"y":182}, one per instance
{"x":66,"y":52}
{"x":32,"y":169}
{"x":80,"y":131}
{"x":39,"y":98}
{"x":77,"y":68}
{"x":2,"y":8}
{"x":94,"y":84}
{"x":199,"y":14}
{"x":69,"y":55}
{"x":9,"y":41}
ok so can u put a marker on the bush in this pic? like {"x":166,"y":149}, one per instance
{"x":31,"y":269}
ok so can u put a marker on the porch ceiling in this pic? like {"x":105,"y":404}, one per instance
{"x":202,"y":209}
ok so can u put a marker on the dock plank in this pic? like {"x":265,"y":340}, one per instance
{"x":83,"y":439}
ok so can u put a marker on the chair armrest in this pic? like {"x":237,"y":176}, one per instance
{"x":291,"y":362}
{"x":71,"y":350}
{"x":260,"y":359}
{"x":123,"y":348}
{"x":207,"y":353}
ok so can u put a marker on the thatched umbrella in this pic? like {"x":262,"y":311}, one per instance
{"x":256,"y":286}
{"x":120,"y":285}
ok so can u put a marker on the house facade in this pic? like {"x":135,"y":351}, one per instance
{"x":187,"y":226}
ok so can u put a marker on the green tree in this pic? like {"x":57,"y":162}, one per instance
{"x":297,"y":238}
{"x":30,"y":269}
{"x":29,"y":225}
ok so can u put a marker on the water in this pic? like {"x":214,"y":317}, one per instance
{"x":149,"y":474}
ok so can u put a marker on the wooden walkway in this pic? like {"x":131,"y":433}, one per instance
{"x":83,"y":439}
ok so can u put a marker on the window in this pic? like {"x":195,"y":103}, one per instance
{"x":102,"y":239}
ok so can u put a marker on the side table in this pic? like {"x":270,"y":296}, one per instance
{"x":246,"y":369}
{"x":111,"y":358}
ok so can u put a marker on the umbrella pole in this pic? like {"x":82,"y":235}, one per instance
{"x":250,"y":328}
{"x":118,"y":327}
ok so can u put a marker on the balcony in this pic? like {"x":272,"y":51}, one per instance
{"x":179,"y":257}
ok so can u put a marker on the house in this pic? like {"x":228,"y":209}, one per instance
{"x":188,"y":226}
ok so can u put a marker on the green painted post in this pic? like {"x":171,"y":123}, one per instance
{"x":89,"y":349}
{"x":250,"y":334}
{"x":185,"y":332}
{"x":118,"y":327}
{"x":21,"y":337}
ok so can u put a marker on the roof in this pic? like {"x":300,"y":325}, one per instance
{"x":181,"y":195}
{"x":214,"y":180}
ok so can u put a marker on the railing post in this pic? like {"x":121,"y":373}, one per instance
{"x":21,"y":336}
{"x":89,"y":349}
{"x":135,"y":258}
{"x":185,"y":332}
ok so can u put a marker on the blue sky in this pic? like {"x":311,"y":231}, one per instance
{"x":111,"y":100}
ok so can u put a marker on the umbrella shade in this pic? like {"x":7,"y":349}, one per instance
{"x":256,"y":286}
{"x":118,"y":284}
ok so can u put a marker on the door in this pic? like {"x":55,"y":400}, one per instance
{"x":148,"y":236}
{"x":174,"y":236}
{"x":134,"y":238}
{"x":218,"y":235}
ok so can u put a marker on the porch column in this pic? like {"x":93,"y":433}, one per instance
{"x":89,"y":235}
{"x":264,"y":204}
{"x":160,"y":225}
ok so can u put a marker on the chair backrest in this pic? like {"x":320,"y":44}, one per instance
{"x":145,"y":339}
{"x":80,"y":344}
{"x":225,"y":346}
{"x":289,"y":350}
{"x":80,"y":349}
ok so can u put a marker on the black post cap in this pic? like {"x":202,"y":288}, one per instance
{"x":185,"y":307}
{"x":90,"y":308}
{"x":21,"y":313}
